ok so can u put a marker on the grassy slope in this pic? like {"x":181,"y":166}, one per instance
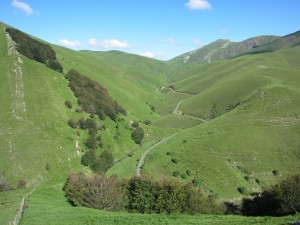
{"x":33,"y":122}
{"x":257,"y":137}
{"x":48,"y":206}
{"x":131,"y":80}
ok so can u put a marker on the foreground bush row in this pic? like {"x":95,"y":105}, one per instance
{"x":145,"y":195}
{"x":139,"y":194}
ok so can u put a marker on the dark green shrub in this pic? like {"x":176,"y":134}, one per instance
{"x":147,"y":122}
{"x":135,"y":124}
{"x":196,"y":182}
{"x":138,"y":135}
{"x":183,"y":176}
{"x":189,"y":173}
{"x":54,"y":65}
{"x":72,"y":123}
{"x":175,"y":161}
{"x":91,"y":142}
{"x":242,"y":190}
{"x":88,"y":158}
{"x":34,"y":49}
{"x":93,"y":97}
{"x":275,"y":172}
{"x":68,"y":104}
{"x":176,"y":173}
{"x":48,"y":166}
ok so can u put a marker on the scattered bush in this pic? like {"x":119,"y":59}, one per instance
{"x":175,"y":161}
{"x":275,"y":172}
{"x":189,"y":173}
{"x":242,"y":190}
{"x":68,"y":104}
{"x":48,"y":166}
{"x":88,"y":158}
{"x":54,"y":65}
{"x":135,"y":124}
{"x":196,"y":182}
{"x":98,"y":164}
{"x":138,"y":135}
{"x":72,"y":123}
{"x":176,"y":173}
{"x":183,"y":176}
{"x":280,"y":199}
{"x":147,"y":122}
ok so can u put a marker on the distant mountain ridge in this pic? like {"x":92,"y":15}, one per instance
{"x":222,"y":49}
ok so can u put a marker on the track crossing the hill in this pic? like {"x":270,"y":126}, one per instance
{"x":141,"y":162}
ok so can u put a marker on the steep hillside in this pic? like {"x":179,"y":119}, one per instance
{"x":33,"y":120}
{"x":252,"y":107}
{"x":288,"y":41}
{"x":221,"y":49}
{"x":34,"y":117}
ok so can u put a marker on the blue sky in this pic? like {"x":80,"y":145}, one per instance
{"x":161,"y":29}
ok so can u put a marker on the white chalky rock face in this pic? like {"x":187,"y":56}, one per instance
{"x":15,"y":74}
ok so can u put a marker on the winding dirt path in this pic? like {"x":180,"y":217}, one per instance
{"x":179,"y":113}
{"x":141,"y":162}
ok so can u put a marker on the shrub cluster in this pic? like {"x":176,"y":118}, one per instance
{"x":278,"y":200}
{"x":93,"y":97}
{"x":281,"y":199}
{"x":138,"y":135}
{"x":139,"y":194}
{"x":98,"y":191}
{"x":98,"y":164}
{"x":34,"y":49}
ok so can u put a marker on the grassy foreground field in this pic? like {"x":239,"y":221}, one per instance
{"x":49,"y":206}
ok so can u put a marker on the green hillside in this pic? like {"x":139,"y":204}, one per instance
{"x":252,"y":107}
{"x":225,"y":117}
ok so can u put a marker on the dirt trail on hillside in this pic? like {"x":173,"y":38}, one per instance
{"x":15,"y":75}
{"x":141,"y":162}
{"x":179,"y":113}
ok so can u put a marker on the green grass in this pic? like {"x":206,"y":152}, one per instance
{"x":49,"y":206}
{"x":9,"y":204}
{"x":258,"y":136}
{"x":256,"y":100}
{"x":175,"y":121}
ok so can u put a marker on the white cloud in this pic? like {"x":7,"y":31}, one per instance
{"x":73,"y":44}
{"x":170,"y":40}
{"x":22,"y":6}
{"x":198,"y":4}
{"x":152,"y":54}
{"x":108,"y":43}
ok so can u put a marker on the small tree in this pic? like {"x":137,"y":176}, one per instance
{"x":138,"y":135}
{"x":68,"y":104}
{"x":135,"y":124}
{"x":48,"y":166}
{"x":72,"y":123}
